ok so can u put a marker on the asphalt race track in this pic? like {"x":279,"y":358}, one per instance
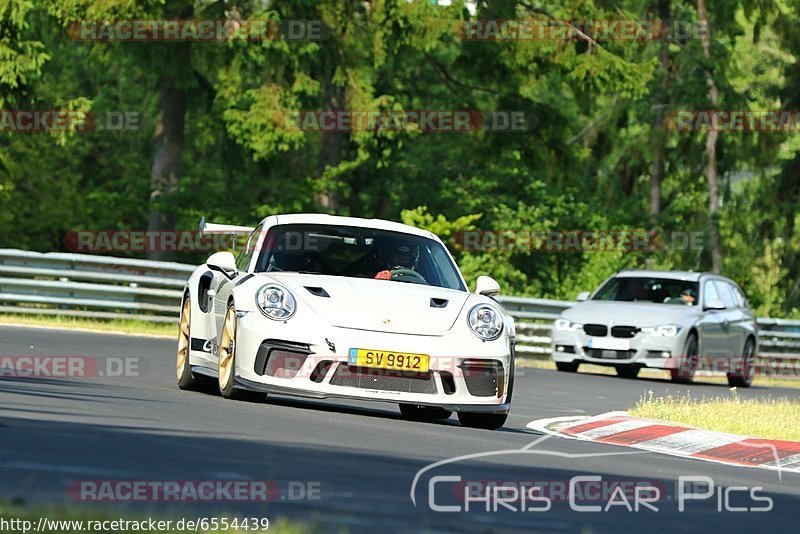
{"x":362,"y":458}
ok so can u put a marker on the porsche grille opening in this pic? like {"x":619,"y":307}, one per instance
{"x":484,"y":379}
{"x":281,"y":359}
{"x":383,"y":380}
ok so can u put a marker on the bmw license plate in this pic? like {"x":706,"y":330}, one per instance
{"x":386,"y":359}
{"x":609,"y":343}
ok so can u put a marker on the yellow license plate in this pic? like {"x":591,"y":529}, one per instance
{"x":386,"y":359}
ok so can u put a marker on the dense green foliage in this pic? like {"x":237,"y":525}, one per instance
{"x":586,"y":162}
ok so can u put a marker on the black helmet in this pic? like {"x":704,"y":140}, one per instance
{"x":397,"y":252}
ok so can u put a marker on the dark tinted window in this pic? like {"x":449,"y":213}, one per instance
{"x":357,"y":252}
{"x":655,"y":290}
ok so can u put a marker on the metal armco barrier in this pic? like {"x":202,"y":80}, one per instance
{"x":85,"y":285}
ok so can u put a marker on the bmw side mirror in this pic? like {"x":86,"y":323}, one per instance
{"x":487,"y":286}
{"x":222,"y":261}
{"x":715,"y":304}
{"x":583,"y":296}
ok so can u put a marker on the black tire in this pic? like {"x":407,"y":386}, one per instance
{"x":628,"y":371}
{"x":486,"y":421}
{"x":186,"y":380}
{"x":413,"y":412}
{"x":744,"y":378}
{"x":568,"y":367}
{"x":227,"y":350}
{"x":687,"y":366}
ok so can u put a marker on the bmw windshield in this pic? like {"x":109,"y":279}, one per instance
{"x":358,"y":252}
{"x":646,"y":289}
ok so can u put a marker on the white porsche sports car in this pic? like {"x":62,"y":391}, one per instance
{"x":324,"y":306}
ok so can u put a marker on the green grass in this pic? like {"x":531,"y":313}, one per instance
{"x":75,"y":513}
{"x":761,"y":418}
{"x":119,"y":326}
{"x":763,"y":381}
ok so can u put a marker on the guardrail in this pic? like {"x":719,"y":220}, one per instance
{"x":534,"y":321}
{"x":85,"y":285}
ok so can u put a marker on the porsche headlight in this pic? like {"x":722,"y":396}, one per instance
{"x":567,"y":326}
{"x":485,"y":321}
{"x":664,"y":330}
{"x":276,"y":302}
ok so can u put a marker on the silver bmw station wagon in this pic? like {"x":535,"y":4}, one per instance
{"x":680,"y":321}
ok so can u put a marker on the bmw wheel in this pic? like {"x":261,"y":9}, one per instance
{"x":744,"y":378}
{"x":687,"y":366}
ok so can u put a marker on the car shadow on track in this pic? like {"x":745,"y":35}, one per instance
{"x":359,"y":487}
{"x":379,"y":412}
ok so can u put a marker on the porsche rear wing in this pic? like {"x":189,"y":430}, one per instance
{"x":211,"y":228}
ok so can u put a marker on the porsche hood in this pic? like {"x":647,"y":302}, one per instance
{"x":375,"y":305}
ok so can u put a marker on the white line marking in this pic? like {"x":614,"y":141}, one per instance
{"x":691,"y":441}
{"x":615,"y":428}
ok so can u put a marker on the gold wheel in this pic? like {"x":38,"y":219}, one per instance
{"x":184,"y":339}
{"x":226,"y":351}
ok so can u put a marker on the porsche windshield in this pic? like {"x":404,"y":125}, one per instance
{"x":357,"y":252}
{"x":656,"y":290}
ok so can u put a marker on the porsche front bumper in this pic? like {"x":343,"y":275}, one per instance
{"x":466,"y":373}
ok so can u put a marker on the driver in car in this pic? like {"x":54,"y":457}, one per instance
{"x":687,"y":296}
{"x":393,"y":255}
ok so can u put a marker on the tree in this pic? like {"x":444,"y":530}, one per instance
{"x":659,"y":131}
{"x":711,"y":143}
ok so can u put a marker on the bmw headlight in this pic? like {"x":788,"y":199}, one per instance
{"x":664,"y":330}
{"x":485,"y":321}
{"x":567,"y":326}
{"x":276,"y":302}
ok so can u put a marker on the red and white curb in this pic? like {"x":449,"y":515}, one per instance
{"x":619,"y":428}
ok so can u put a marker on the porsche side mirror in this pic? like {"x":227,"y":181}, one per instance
{"x":487,"y":286}
{"x":583,"y":296}
{"x":715,"y":304}
{"x":222,"y":261}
